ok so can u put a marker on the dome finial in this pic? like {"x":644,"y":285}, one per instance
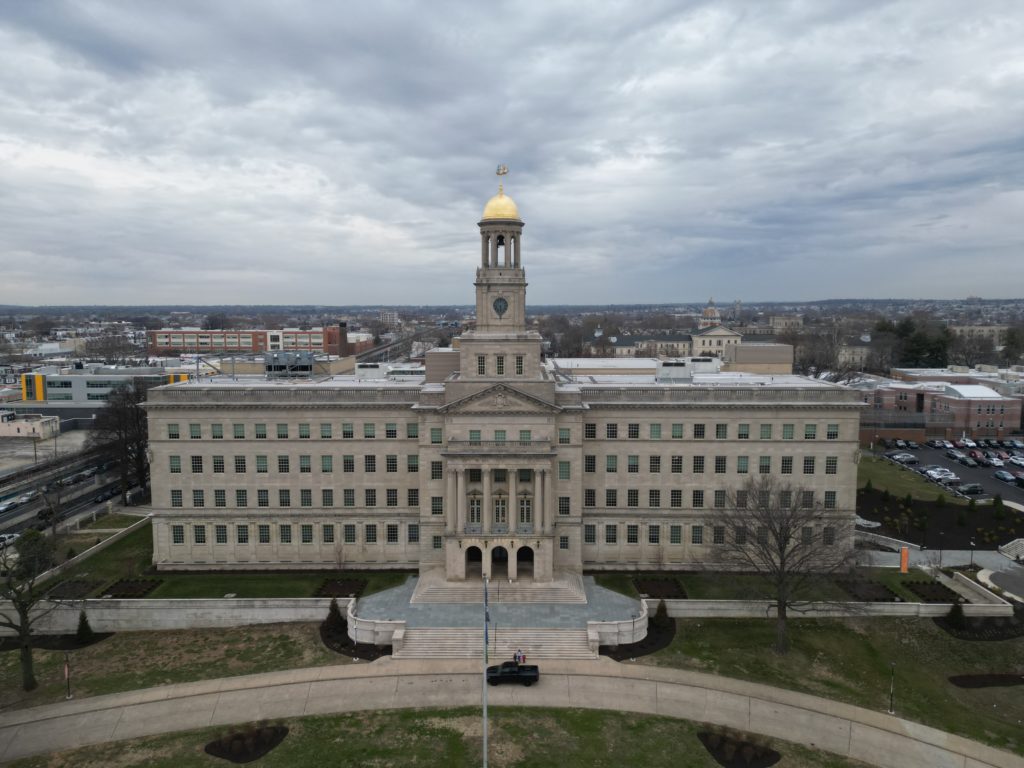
{"x":500,"y":206}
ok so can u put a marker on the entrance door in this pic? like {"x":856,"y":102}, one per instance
{"x":499,"y":563}
{"x":474,"y":563}
{"x":524,"y":562}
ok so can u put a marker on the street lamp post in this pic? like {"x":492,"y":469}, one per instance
{"x":892,"y":687}
{"x":941,"y":534}
{"x":972,"y":554}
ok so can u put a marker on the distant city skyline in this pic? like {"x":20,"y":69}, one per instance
{"x":302,"y":154}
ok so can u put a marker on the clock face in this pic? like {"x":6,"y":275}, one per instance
{"x":500,"y":306}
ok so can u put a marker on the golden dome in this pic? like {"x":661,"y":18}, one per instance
{"x":500,"y":207}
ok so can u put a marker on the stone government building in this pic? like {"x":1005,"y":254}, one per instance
{"x":495,"y":463}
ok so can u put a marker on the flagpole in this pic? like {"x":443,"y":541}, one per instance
{"x":486,"y":619}
{"x":67,"y":672}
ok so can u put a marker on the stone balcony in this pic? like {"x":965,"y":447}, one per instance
{"x":499,"y":447}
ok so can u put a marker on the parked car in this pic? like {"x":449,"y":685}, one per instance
{"x":954,"y":454}
{"x":513,"y":672}
{"x":952,"y":482}
{"x":940,"y":474}
{"x":8,"y":538}
{"x":971,"y":489}
{"x":900,"y":443}
{"x":967,"y":461}
{"x":1005,"y":476}
{"x":912,"y":446}
{"x":1018,"y":460}
{"x":947,"y":444}
{"x":906,"y":458}
{"x":25,"y":498}
{"x":935,"y":444}
{"x":996,"y":462}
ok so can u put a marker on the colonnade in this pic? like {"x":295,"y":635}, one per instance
{"x":489,"y":249}
{"x":540,"y":492}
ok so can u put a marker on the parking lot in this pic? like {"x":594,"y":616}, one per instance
{"x":983,"y":476}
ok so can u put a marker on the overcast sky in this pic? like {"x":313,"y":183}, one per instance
{"x":341,"y":153}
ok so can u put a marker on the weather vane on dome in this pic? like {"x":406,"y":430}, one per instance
{"x":502,"y":170}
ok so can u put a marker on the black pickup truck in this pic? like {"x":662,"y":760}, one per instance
{"x":511,"y":672}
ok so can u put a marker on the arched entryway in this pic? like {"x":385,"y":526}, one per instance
{"x":474,"y":563}
{"x":524,"y":562}
{"x":499,"y":563}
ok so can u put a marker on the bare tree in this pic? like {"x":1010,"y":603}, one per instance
{"x":21,"y":564}
{"x":784,"y":535}
{"x":121,"y":431}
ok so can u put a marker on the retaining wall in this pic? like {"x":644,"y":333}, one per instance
{"x":759,"y":609}
{"x":373,"y":631}
{"x":621,"y":632}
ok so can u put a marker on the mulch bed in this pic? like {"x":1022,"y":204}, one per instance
{"x":731,"y":752}
{"x":991,"y":680}
{"x":658,"y":636}
{"x":660,"y":589}
{"x":131,"y":588}
{"x":54,"y":642}
{"x":341,"y":588}
{"x":74,"y":589}
{"x":925,"y":519}
{"x":868,"y":591}
{"x":932,"y":591}
{"x":985,"y":627}
{"x":336,"y":638}
{"x":248,"y":745}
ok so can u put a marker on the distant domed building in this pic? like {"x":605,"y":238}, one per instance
{"x":710,"y":317}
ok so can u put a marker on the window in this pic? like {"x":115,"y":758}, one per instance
{"x":632,"y":534}
{"x":436,"y":470}
{"x":831,"y":431}
{"x":632,"y":464}
{"x":305,"y":497}
{"x":828,"y":536}
{"x":698,"y":465}
{"x":178,"y":534}
{"x":831,"y":465}
{"x":654,"y":464}
{"x":564,"y":472}
{"x":195,"y":432}
{"x":239,"y":465}
{"x":766,"y":431}
{"x":391,"y":533}
{"x":481,"y":365}
{"x":589,"y":534}
{"x":371,"y":533}
{"x":327,"y":497}
{"x":743,"y":432}
{"x":242,"y":534}
{"x":391,"y":463}
{"x":369,"y":431}
{"x":305,"y":464}
{"x":370,"y":497}
{"x":412,"y":533}
{"x":742,"y":465}
{"x":525,"y":436}
{"x":698,"y":499}
{"x":304,"y":432}
{"x":719,"y":500}
{"x":475,"y":475}
{"x":830,"y":499}
{"x":675,"y":498}
{"x":218,"y":465}
{"x":175,"y":462}
{"x":808,"y":465}
{"x":436,"y":542}
{"x":262,"y":534}
{"x":238,"y":431}
{"x":499,"y":365}
{"x":611,"y":431}
{"x":564,"y":436}
{"x":413,"y":497}
{"x":785,"y":499}
{"x":740,"y":533}
{"x":764,"y":465}
{"x":654,"y":498}
{"x":697,"y":534}
{"x":787,"y":431}
{"x":807,"y":499}
{"x":326,"y":463}
{"x":677,"y":431}
{"x":283,"y":464}
{"x":348,"y":497}
{"x":261,"y":431}
{"x":349,"y":532}
{"x":589,"y":463}
{"x":261,"y":465}
{"x":437,"y":505}
{"x":391,"y":431}
{"x":519,"y":365}
{"x":347,"y":431}
{"x":677,"y":465}
{"x":391,"y":497}
{"x":810,"y":431}
{"x":610,"y":534}
{"x":589,"y":497}
{"x":412,"y":463}
{"x":655,"y":432}
{"x":675,"y":534}
{"x":412,"y":430}
{"x":611,"y":497}
{"x":220,"y":534}
{"x":220,"y":498}
{"x":721,"y":431}
{"x":563,"y":505}
{"x":698,"y":431}
{"x":325,"y":434}
{"x":285,"y":533}
{"x":563,"y":542}
{"x":198,"y":534}
{"x":217,"y":431}
{"x":611,"y":464}
{"x":654,"y":534}
{"x":262,"y":498}
{"x":176,"y":499}
{"x":284,"y":497}
{"x":718,"y":534}
{"x":590,"y":431}
{"x":787,"y":465}
{"x":241,"y":498}
{"x":632,"y":497}
{"x":306,"y":532}
{"x":435,"y":436}
{"x":633,"y":431}
{"x":370,"y":463}
{"x":720,"y":463}
{"x":282,"y":431}
{"x":327,"y":532}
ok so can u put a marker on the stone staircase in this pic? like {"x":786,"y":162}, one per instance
{"x":1013,"y":550}
{"x":468,"y":644}
{"x":566,"y":588}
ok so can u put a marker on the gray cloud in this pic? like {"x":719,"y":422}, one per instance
{"x":273,"y":152}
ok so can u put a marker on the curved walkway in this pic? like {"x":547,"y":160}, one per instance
{"x":872,"y":737}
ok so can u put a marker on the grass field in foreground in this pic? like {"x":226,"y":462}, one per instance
{"x":519,"y":738}
{"x":848,"y":660}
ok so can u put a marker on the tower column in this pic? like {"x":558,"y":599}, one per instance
{"x":493,"y":262}
{"x":515,"y":242}
{"x":549,"y":501}
{"x":487,"y":513}
{"x":508,"y":249}
{"x":484,"y":243}
{"x":538,"y":496}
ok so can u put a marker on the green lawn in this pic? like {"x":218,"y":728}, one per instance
{"x":884,"y":475}
{"x":112,"y":521}
{"x":518,"y":738}
{"x":848,"y":660}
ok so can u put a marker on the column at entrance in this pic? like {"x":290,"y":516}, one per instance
{"x":538,"y":495}
{"x":487,"y":513}
{"x":549,"y":501}
{"x":513,"y":502}
{"x":460,"y":501}
{"x":450,"y":503}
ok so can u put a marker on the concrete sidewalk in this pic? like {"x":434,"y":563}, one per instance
{"x":872,"y":737}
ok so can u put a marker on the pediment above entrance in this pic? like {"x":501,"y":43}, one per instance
{"x":500,"y":399}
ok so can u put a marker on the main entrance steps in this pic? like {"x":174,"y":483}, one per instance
{"x":502,"y":644}
{"x":432,"y":587}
